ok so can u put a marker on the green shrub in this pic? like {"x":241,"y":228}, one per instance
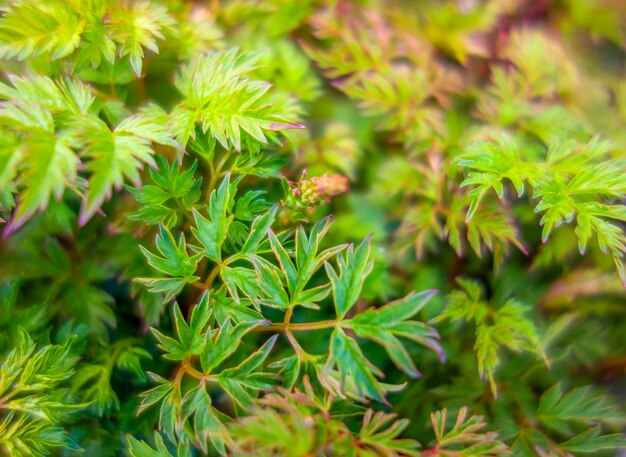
{"x":312,"y":228}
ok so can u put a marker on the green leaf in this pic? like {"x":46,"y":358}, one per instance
{"x":173,"y":261}
{"x":251,"y":205}
{"x":141,"y":449}
{"x":384,"y":325}
{"x":289,"y":369}
{"x":244,"y":280}
{"x":559,"y":411}
{"x":467,"y":436}
{"x":354,"y":368}
{"x":52,"y":166}
{"x":31,"y":28}
{"x":354,"y":267}
{"x":207,"y":427}
{"x":36,"y":402}
{"x":227,"y":104}
{"x":258,"y":231}
{"x":308,"y":261}
{"x":289,"y":270}
{"x":156,"y":394}
{"x":171,"y":198}
{"x":493,"y":163}
{"x":218,"y":347}
{"x":507,"y":326}
{"x":273,"y":293}
{"x":191,"y":339}
{"x":137,"y":26}
{"x":238,"y":380}
{"x":227,"y":308}
{"x":212,"y":232}
{"x":591,"y":441}
{"x":381,"y":431}
{"x":117,"y":155}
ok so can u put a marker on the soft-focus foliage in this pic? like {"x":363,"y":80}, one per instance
{"x":367,"y":228}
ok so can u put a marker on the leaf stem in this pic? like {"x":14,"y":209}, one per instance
{"x":187,"y":368}
{"x":297,"y":327}
{"x":216,"y":173}
{"x":212,"y":275}
{"x":209,"y":280}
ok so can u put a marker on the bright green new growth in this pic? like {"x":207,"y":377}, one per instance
{"x":312,"y":228}
{"x":34,"y":399}
{"x":506,"y":326}
{"x":573,"y":184}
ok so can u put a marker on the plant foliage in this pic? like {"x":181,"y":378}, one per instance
{"x":356,"y":228}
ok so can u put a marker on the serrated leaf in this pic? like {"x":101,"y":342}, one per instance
{"x":212,"y":232}
{"x":51,"y":166}
{"x":271,"y":285}
{"x":238,"y":380}
{"x":385,"y":324}
{"x":354,"y":267}
{"x":31,"y":28}
{"x":346,"y":355}
{"x":258,"y":231}
{"x":141,"y":449}
{"x":173,"y":261}
{"x":218,"y":347}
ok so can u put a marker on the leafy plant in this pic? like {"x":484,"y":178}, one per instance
{"x":321,"y":227}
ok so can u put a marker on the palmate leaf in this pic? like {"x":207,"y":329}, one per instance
{"x":187,"y":415}
{"x":62,"y":96}
{"x":245,"y":377}
{"x":258,"y":230}
{"x":384,"y":325}
{"x":225,"y":102}
{"x":219,"y":345}
{"x":307,"y":258}
{"x":174,"y":193}
{"x":276,"y":420}
{"x":209,"y":428}
{"x":506,"y":326}
{"x":141,"y":449}
{"x":226,"y":308}
{"x":50,"y":164}
{"x":174,"y":261}
{"x":190,"y":337}
{"x":239,"y":280}
{"x":35,"y":151}
{"x":271,"y":288}
{"x":354,"y":266}
{"x":135,"y":26}
{"x":96,"y":46}
{"x":354,"y":367}
{"x":59,"y":115}
{"x":511,"y":329}
{"x":465,"y":438}
{"x":573,"y":184}
{"x":35,"y":401}
{"x":280,"y":417}
{"x":286,"y":286}
{"x":561,"y":414}
{"x":592,"y":441}
{"x":31,"y":28}
{"x":380,"y":434}
{"x":558,"y":410}
{"x":93,"y":31}
{"x":116,"y":155}
{"x":23,"y":437}
{"x":211,"y":233}
{"x":493,"y":163}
